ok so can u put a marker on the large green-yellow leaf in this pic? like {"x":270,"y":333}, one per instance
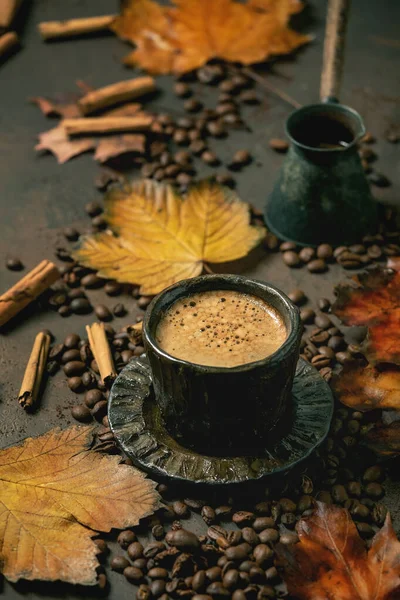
{"x":158,"y":238}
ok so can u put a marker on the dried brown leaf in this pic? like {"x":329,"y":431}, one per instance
{"x":55,"y":494}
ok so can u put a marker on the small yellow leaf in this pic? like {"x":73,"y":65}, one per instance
{"x":55,"y":493}
{"x":161,"y":238}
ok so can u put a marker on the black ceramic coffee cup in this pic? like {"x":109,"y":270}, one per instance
{"x":223,"y":410}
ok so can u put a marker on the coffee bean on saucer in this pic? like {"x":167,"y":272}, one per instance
{"x":317,"y":266}
{"x":14,"y":264}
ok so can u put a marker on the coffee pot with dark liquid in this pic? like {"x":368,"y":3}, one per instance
{"x":322,"y":194}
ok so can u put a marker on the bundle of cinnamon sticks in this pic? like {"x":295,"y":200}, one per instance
{"x":9,"y":40}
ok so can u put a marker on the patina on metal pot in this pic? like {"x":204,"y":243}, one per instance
{"x":322,"y":194}
{"x":221,"y":410}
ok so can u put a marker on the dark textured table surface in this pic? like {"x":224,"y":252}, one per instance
{"x":38,"y":196}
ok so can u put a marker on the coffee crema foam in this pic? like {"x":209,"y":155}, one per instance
{"x":221,"y":328}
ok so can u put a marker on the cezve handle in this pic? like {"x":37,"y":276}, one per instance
{"x":335,"y":32}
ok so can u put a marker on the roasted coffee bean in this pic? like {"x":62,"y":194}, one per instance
{"x":148,"y":170}
{"x":353,"y":427}
{"x":217,"y":590}
{"x":70,"y":355}
{"x":119,"y":563}
{"x":92,"y":397}
{"x":181,"y":509}
{"x":317,"y":266}
{"x":269,"y":536}
{"x":224,"y":108}
{"x":182,"y":89}
{"x":327,"y":352}
{"x":325,"y":251}
{"x":289,"y":537}
{"x":198,"y":147}
{"x":56,"y":351}
{"x":305,"y":503}
{"x":102,"y":312}
{"x":182,"y":157}
{"x":379,"y":513}
{"x":126,"y":356}
{"x":81,"y":413}
{"x":243,"y":518}
{"x":288,"y":519}
{"x":208,"y":514}
{"x":234,"y":537}
{"x":365,"y":530}
{"x":278,"y":145}
{"x":262,"y":523}
{"x":225,"y":179}
{"x":374,"y":473}
{"x":102,"y":582}
{"x":287,"y":246}
{"x":181,"y":138}
{"x":210,"y":74}
{"x":135,"y":549}
{"x":99,"y":410}
{"x":336,"y":343}
{"x":113,"y":288}
{"x":250,"y":97}
{"x":144,"y":301}
{"x":158,"y":532}
{"x":231,"y":579}
{"x":324,"y":304}
{"x":238,"y":553}
{"x":339,"y":494}
{"x":71,"y":233}
{"x":232,"y":119}
{"x":374,"y":252}
{"x":297,"y":296}
{"x":64,"y":255}
{"x":138,"y":351}
{"x":319,"y":337}
{"x":14,"y":264}
{"x":72,"y":340}
{"x":64,"y":311}
{"x":133,"y":574}
{"x":354,"y":488}
{"x":239,"y":595}
{"x":250,"y":536}
{"x":240,"y":159}
{"x":199,"y":581}
{"x":93,"y":209}
{"x":306,"y":254}
{"x":374,"y":490}
{"x":58,"y":299}
{"x":74,"y":367}
{"x":216,"y":128}
{"x":210,"y":157}
{"x":143,"y":592}
{"x":99,"y":222}
{"x":379,"y":179}
{"x":183,"y":540}
{"x":119,"y":310}
{"x":307,"y":315}
{"x":263,"y":554}
{"x":291,"y":259}
{"x":323,"y":321}
{"x":81,"y":306}
{"x":52,"y":367}
{"x":344,"y":357}
{"x":75,"y":384}
{"x":184,"y":179}
{"x":214,"y":573}
{"x":192,"y":105}
{"x":287,"y":505}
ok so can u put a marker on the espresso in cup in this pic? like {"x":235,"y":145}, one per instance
{"x":221,"y":328}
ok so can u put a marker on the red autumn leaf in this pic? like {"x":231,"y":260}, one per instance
{"x":367,"y":388}
{"x":330,"y":562}
{"x":373,"y":300}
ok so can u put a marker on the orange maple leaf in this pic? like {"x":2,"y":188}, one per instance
{"x":331,"y":562}
{"x":373,"y":299}
{"x":185,"y":36}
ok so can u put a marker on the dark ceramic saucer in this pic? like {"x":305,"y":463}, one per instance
{"x":138,"y":427}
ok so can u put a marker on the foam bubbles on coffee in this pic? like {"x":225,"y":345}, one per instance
{"x":221,"y":328}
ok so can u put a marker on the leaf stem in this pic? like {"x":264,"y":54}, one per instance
{"x":270,"y":87}
{"x":208,"y":269}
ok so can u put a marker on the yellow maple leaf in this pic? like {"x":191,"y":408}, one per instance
{"x":163,"y":238}
{"x":55,"y":494}
{"x":185,"y":36}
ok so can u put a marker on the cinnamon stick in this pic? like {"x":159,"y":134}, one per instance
{"x":27,"y":289}
{"x":61,"y":29}
{"x":34,"y":371}
{"x":7,"y":42}
{"x":122,"y":91}
{"x":8,"y":10}
{"x":107,"y":124}
{"x":101,"y":351}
